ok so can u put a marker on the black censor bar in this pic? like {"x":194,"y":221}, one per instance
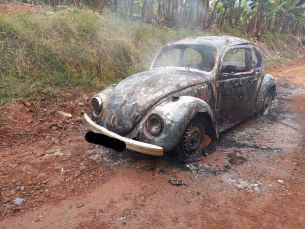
{"x":106,"y":141}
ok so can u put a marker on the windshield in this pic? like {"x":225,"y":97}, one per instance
{"x":198,"y":57}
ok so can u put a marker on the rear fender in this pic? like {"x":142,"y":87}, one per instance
{"x":268,"y":83}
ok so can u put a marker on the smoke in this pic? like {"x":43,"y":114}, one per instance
{"x":132,"y":45}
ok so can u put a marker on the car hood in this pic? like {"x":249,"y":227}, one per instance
{"x":134,"y":96}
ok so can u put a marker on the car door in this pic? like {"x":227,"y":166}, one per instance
{"x":236,"y":83}
{"x":257,"y":78}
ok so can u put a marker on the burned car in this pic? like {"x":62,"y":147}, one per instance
{"x":195,"y":87}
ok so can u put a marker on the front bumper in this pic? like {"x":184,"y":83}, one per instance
{"x":133,"y":145}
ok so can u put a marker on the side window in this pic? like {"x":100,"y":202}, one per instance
{"x":258,"y":58}
{"x":234,"y":61}
{"x":169,"y":58}
{"x":191,"y":57}
{"x":237,"y":60}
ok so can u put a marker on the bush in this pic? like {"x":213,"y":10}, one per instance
{"x":45,"y":53}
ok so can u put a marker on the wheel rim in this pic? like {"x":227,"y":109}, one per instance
{"x":267,"y":104}
{"x":192,"y":140}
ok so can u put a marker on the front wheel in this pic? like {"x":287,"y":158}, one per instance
{"x":267,"y":104}
{"x":189,"y":147}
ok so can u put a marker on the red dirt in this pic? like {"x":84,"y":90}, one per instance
{"x":254,"y":175}
{"x":72,"y":191}
{"x":45,"y":176}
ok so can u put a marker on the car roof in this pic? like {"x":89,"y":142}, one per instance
{"x":218,"y":42}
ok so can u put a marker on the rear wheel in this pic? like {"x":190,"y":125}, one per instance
{"x":267,"y":104}
{"x":189,"y":147}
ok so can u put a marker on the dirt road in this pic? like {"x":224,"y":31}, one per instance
{"x":252,"y":177}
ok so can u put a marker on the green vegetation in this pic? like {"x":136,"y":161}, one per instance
{"x":70,"y":50}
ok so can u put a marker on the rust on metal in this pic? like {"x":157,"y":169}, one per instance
{"x":219,"y":78}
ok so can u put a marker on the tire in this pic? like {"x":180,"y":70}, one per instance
{"x":189,"y":147}
{"x":267,"y":104}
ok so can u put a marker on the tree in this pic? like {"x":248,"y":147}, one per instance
{"x":213,"y":14}
{"x":144,"y":9}
{"x":190,"y":18}
{"x":131,"y":4}
{"x":282,"y":16}
{"x":237,"y":19}
{"x":150,"y":9}
{"x":232,"y":3}
{"x":225,"y":12}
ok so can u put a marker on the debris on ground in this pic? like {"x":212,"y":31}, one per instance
{"x":73,"y":189}
{"x":19,"y":201}
{"x":25,"y":102}
{"x":85,"y":97}
{"x":79,"y":205}
{"x":176,"y":182}
{"x":65,"y":114}
{"x":94,"y":157}
{"x":207,"y":141}
{"x":241,"y":184}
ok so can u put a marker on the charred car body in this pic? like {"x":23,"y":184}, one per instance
{"x":194,"y":87}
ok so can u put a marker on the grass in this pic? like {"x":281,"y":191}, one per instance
{"x":47,"y":52}
{"x":44,"y":54}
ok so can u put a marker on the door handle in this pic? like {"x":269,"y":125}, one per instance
{"x":253,"y":80}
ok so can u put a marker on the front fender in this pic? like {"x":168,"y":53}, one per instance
{"x":176,"y":116}
{"x":267,"y":83}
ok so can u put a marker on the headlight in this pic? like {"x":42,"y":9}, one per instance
{"x":154,"y":124}
{"x":97,"y":104}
